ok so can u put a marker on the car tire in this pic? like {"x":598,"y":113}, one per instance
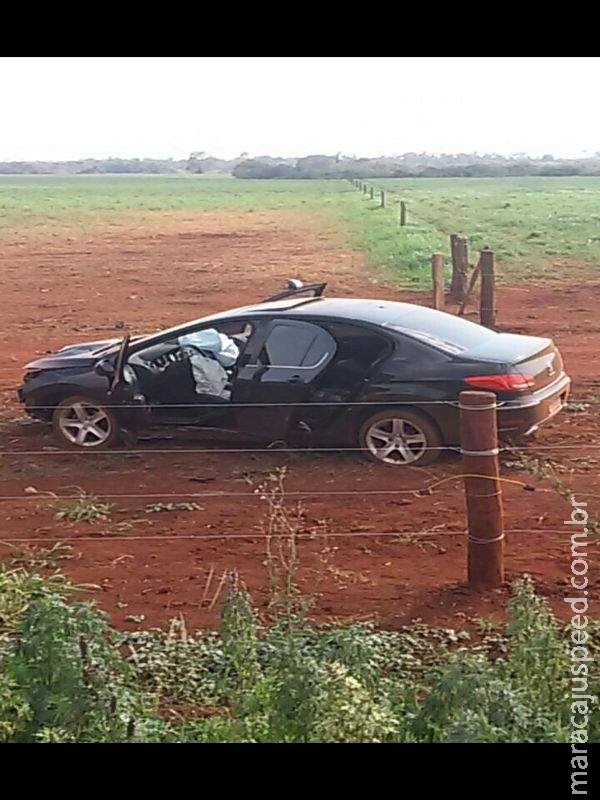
{"x":399,"y":438}
{"x":79,"y":423}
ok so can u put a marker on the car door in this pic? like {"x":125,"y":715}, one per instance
{"x":166,"y":375}
{"x":277,"y":374}
{"x":123,"y":389}
{"x":117,"y":384}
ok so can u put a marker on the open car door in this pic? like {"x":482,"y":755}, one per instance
{"x":123,"y":391}
{"x":277,"y":376}
{"x":114,"y":369}
{"x":118,"y":383}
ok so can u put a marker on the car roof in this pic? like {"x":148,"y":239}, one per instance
{"x":359,"y":309}
{"x":415,"y":320}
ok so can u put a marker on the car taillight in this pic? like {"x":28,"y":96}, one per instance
{"x":510,"y":381}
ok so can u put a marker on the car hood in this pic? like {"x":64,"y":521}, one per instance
{"x":73,"y":355}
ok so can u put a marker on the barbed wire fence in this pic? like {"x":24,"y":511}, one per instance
{"x":420,"y":491}
{"x":461,"y":285}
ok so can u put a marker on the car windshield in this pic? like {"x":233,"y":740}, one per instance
{"x":445,"y":331}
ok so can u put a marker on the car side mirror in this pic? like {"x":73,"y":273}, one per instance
{"x":105,"y":367}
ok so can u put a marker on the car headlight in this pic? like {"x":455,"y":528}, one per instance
{"x":32,"y":373}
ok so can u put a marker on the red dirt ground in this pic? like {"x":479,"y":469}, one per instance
{"x":159,"y":565}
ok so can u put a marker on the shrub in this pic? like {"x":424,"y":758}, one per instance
{"x":66,"y":675}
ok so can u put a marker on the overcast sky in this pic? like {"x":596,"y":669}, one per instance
{"x":70,"y":108}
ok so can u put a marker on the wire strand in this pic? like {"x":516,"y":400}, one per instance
{"x":107,"y":536}
{"x":499,"y":478}
{"x":270,"y":449}
{"x":181,"y":451}
{"x":47,"y":495}
{"x":418,"y":491}
{"x":227,"y":404}
{"x":307,"y":403}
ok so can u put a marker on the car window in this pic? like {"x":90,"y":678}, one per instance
{"x":445,"y":331}
{"x":239,"y":330}
{"x":357,"y":344}
{"x":234,"y":327}
{"x":301,"y":345}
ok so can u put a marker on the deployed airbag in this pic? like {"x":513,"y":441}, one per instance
{"x":209,"y":372}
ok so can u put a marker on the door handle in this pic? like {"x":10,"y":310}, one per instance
{"x":295,"y":379}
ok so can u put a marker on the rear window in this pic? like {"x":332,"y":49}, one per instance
{"x":444,"y":331}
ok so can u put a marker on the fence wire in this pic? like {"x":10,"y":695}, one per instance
{"x":54,"y":451}
{"x":108,"y":536}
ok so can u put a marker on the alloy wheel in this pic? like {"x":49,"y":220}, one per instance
{"x":396,"y":441}
{"x":84,"y":424}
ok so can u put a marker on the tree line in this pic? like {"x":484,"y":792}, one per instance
{"x":407,"y":165}
{"x":419,"y":165}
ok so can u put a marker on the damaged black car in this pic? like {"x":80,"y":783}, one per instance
{"x":375,"y":376}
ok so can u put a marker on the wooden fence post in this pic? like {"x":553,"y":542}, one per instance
{"x":365,"y":187}
{"x":453,"y":237}
{"x":472,"y":281}
{"x":382,"y":199}
{"x":487,"y":307}
{"x":460,"y":266}
{"x":437,"y":275}
{"x":402,"y":213}
{"x":372,"y":190}
{"x":479,"y":446}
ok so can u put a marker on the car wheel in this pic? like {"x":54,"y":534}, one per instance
{"x":81,"y":423}
{"x":399,"y":438}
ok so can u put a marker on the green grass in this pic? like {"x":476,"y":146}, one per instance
{"x":531,"y":223}
{"x":86,"y":508}
{"x":53,"y":202}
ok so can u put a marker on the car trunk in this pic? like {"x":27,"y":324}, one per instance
{"x":545,"y":366}
{"x":528,"y":355}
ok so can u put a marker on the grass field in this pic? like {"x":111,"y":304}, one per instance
{"x":531,"y":223}
{"x":527,"y":221}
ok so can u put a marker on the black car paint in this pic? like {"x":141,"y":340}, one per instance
{"x":410,"y":370}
